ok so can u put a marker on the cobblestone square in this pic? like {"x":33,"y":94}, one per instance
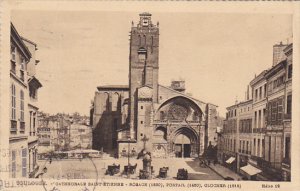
{"x":89,"y":168}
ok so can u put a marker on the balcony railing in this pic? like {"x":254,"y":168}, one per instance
{"x":13,"y":126}
{"x":22,"y":126}
{"x":259,"y":130}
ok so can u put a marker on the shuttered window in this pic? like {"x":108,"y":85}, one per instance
{"x":24,"y":162}
{"x":280,"y":110}
{"x":13,"y":164}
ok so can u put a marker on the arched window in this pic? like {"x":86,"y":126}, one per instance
{"x":114,"y":101}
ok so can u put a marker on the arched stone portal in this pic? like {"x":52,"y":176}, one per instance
{"x":185,"y":142}
{"x":179,"y":125}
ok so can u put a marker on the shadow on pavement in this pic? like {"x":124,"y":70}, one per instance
{"x":204,"y":173}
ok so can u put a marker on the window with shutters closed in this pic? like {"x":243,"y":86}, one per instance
{"x":279,"y":110}
{"x":24,"y":162}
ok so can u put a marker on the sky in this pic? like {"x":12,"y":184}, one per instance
{"x":217,"y":54}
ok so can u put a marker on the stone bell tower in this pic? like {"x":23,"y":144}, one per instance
{"x":143,"y":63}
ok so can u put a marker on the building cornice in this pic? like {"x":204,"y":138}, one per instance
{"x":239,"y":104}
{"x":258,"y":78}
{"x":274,"y":70}
{"x":17,"y":39}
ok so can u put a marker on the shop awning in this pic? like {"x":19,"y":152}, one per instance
{"x":230,"y":160}
{"x":251,"y":170}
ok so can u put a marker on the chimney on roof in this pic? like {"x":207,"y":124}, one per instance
{"x":278,"y":54}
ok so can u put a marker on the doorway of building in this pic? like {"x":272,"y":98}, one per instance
{"x":182,"y":146}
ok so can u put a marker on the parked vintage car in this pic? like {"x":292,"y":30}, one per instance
{"x":182,"y":174}
{"x":113,"y":169}
{"x":163,"y":172}
{"x":131,"y":169}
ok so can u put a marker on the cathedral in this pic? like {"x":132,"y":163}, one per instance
{"x":145,"y":115}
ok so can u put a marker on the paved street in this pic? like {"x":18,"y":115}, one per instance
{"x":225,"y":172}
{"x":90,"y":169}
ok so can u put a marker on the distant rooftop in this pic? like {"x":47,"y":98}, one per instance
{"x":113,"y":87}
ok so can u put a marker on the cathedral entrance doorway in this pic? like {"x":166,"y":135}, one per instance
{"x":182,"y":146}
{"x":185,"y":143}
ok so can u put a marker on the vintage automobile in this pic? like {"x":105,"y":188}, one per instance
{"x":163,"y":172}
{"x":113,"y":169}
{"x":131,"y":169}
{"x":182,"y":174}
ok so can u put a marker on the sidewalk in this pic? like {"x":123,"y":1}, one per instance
{"x":224,"y":172}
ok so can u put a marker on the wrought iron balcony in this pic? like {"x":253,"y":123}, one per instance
{"x":259,"y":130}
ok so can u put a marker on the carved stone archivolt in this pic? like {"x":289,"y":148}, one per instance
{"x":180,"y":118}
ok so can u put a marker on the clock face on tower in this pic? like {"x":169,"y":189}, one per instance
{"x":145,"y":22}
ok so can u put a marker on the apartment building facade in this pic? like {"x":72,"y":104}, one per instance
{"x":264,"y":144}
{"x":22,"y":139}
